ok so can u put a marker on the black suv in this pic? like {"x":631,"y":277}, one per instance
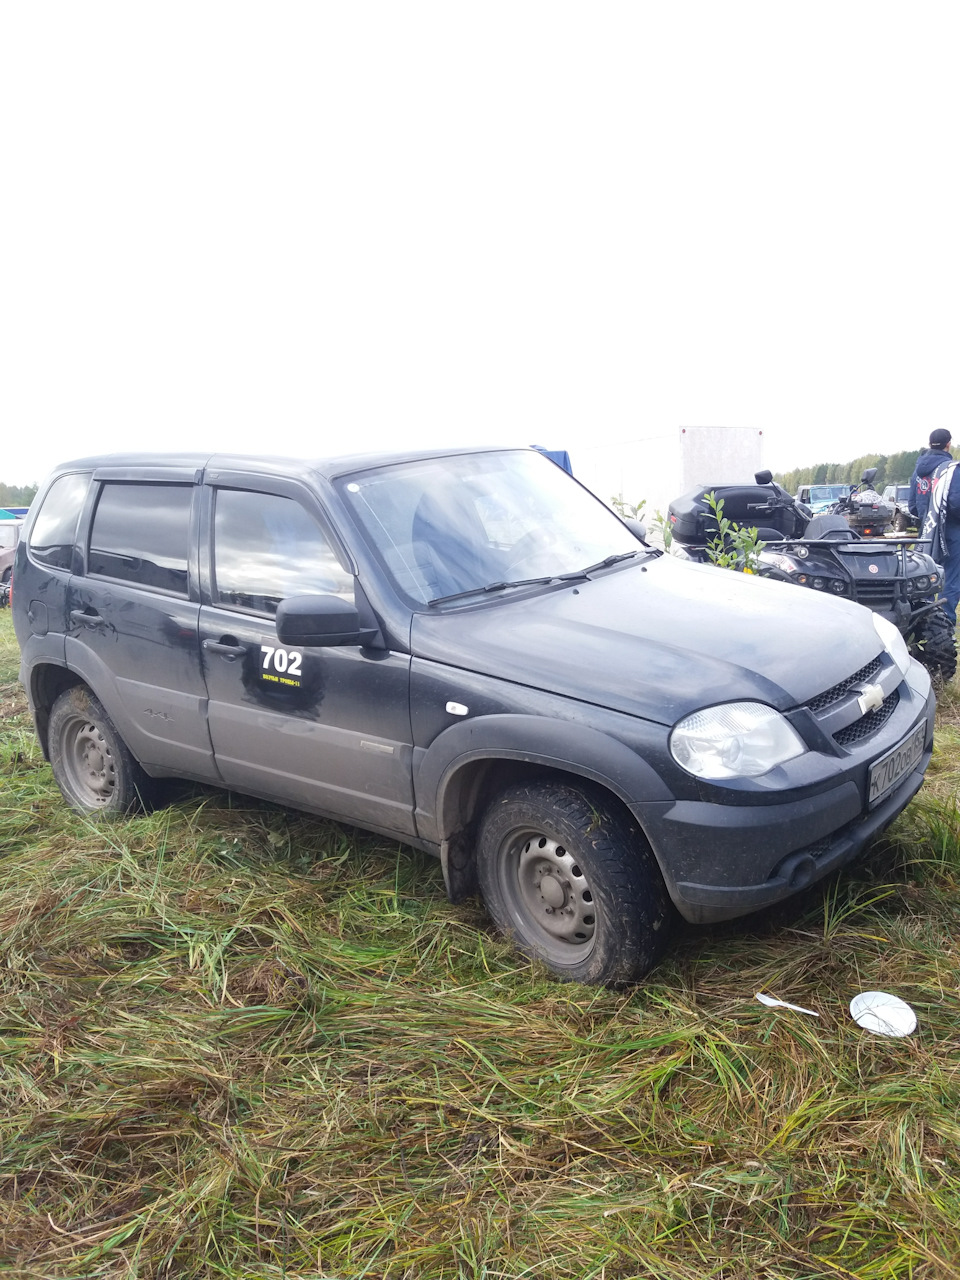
{"x":468,"y":652}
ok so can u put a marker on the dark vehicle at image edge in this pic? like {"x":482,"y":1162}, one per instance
{"x":467,"y":652}
{"x":825,"y":553}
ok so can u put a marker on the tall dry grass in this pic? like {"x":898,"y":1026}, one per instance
{"x":239,"y":1042}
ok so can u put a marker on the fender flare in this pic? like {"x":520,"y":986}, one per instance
{"x":557,"y":744}
{"x":448,"y":800}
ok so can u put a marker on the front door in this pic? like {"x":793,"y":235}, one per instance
{"x":326,"y":729}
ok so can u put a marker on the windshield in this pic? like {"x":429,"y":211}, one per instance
{"x":828,"y":492}
{"x":442,"y":526}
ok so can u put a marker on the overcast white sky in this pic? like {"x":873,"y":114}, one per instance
{"x":321,"y":227}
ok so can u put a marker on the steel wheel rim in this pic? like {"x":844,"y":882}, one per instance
{"x":548,"y":895}
{"x":89,"y":763}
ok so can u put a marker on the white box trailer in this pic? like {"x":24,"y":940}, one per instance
{"x":659,"y":468}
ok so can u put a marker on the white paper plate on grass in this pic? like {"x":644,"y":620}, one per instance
{"x":883,"y":1014}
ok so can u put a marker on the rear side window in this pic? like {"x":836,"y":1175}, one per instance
{"x":55,"y":528}
{"x":141,"y":533}
{"x":266,"y":548}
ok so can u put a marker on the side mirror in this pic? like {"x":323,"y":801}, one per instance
{"x":636,"y":527}
{"x":763,"y":477}
{"x":869,"y":475}
{"x":306,"y":621}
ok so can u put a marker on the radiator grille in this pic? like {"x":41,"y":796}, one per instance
{"x":877,"y":589}
{"x":865,"y":675}
{"x":869,"y":723}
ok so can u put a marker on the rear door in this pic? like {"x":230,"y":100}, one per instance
{"x":132,"y":616}
{"x":326,"y":729}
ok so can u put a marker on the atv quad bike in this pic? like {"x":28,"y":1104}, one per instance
{"x":892,"y":576}
{"x":863,"y":509}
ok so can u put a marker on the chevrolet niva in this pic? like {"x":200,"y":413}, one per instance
{"x":468,"y":652}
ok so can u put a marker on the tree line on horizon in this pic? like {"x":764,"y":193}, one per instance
{"x":17,"y":495}
{"x":893,"y":468}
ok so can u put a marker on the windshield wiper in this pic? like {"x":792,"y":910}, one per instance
{"x":605,"y":563}
{"x":493,"y":586}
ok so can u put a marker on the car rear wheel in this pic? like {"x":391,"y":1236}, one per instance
{"x":91,"y":763}
{"x":573,"y":882}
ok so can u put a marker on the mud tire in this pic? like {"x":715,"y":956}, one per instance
{"x":932,"y":642}
{"x":91,"y":763}
{"x":571,"y":880}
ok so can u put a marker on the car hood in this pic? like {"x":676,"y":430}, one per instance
{"x":658,"y":639}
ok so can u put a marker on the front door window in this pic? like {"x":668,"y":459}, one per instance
{"x":267,"y":547}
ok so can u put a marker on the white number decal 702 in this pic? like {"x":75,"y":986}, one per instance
{"x":282,"y":661}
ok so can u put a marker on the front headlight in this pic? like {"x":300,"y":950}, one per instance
{"x":893,"y":642}
{"x":734,"y":740}
{"x":786,"y":563}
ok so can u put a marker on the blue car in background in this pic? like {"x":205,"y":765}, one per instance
{"x":818,"y":497}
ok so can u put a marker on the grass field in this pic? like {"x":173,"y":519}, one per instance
{"x":239,"y":1042}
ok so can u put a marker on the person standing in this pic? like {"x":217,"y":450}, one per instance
{"x":921,"y":482}
{"x":942,"y":527}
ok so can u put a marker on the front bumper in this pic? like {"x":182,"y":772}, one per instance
{"x":723,"y":860}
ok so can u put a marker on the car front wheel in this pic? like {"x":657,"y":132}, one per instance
{"x":573,"y":882}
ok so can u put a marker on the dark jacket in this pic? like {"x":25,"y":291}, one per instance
{"x":921,"y":480}
{"x":953,"y":499}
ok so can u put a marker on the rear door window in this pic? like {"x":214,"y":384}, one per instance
{"x":267,"y":547}
{"x":141,"y":534}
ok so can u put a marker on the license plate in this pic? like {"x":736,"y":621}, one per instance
{"x":892,"y":768}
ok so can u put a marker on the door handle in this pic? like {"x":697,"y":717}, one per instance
{"x":228,"y":651}
{"x":86,"y":619}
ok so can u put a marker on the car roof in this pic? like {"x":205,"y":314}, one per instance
{"x":270,"y":464}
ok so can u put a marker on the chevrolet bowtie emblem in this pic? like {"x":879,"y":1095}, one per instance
{"x":871,"y":697}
